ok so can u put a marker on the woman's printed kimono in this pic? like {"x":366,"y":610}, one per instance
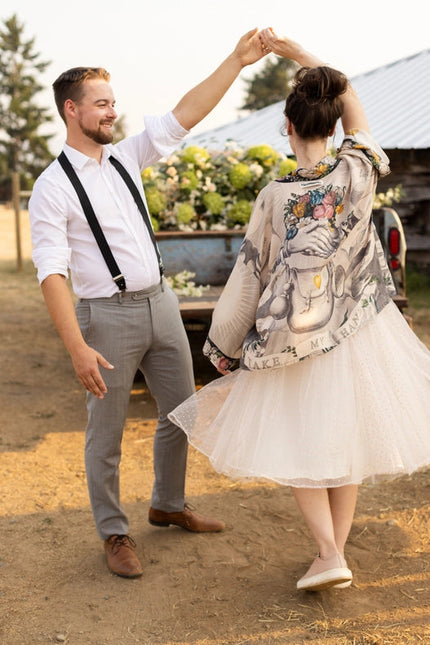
{"x":311,"y":269}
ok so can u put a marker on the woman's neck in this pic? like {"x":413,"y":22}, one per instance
{"x":309,"y":153}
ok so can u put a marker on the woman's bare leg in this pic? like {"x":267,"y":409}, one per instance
{"x":314,"y":504}
{"x":329,"y":514}
{"x":342,"y":504}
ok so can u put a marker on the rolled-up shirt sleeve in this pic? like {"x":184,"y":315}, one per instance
{"x":161,"y":136}
{"x":51,"y":252}
{"x":165,"y":132}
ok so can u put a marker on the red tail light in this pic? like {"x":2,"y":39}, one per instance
{"x":395,"y":264}
{"x":394,"y":241}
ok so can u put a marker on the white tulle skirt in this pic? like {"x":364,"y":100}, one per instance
{"x":356,"y":414}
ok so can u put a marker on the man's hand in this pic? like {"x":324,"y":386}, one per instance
{"x":85,"y":360}
{"x":86,"y":363}
{"x":249,"y":49}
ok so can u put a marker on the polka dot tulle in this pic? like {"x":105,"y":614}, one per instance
{"x":356,"y":414}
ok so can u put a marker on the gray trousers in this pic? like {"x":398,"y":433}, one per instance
{"x":138,"y":330}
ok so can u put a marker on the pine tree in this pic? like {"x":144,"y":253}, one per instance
{"x":270,"y":85}
{"x":23,"y":150}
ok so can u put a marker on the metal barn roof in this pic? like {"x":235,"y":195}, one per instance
{"x":396,"y":98}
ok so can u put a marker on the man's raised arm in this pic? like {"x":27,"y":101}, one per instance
{"x":199,"y":101}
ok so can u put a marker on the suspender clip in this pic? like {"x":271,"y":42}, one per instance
{"x":120,"y":281}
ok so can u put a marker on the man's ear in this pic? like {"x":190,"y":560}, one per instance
{"x":69,"y":108}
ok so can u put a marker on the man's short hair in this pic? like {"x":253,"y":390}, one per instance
{"x":69,"y":85}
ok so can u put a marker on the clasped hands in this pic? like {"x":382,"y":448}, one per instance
{"x":255,"y":44}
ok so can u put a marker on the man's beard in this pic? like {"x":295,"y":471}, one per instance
{"x":99,"y":136}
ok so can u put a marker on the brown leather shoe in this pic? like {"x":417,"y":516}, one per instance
{"x":187,"y":519}
{"x":121,"y":558}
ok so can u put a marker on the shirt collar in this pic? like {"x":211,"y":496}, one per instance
{"x":79,"y":159}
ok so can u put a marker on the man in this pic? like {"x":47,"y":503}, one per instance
{"x":128,"y":321}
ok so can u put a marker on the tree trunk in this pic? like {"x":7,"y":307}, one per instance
{"x":17,"y":209}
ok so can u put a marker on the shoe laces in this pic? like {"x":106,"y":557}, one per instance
{"x":117,"y":541}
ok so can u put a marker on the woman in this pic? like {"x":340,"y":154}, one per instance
{"x":333,"y":387}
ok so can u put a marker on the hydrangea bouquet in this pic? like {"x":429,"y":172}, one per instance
{"x":197,"y":190}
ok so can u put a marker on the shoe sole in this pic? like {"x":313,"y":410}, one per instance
{"x":165,"y":524}
{"x":343,"y":585}
{"x":325,"y":580}
{"x":125,"y":575}
{"x":181,"y":526}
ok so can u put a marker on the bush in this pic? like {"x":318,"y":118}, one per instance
{"x":263,"y":154}
{"x":155,"y":199}
{"x":197,"y":190}
{"x":240,"y":213}
{"x":240,"y":176}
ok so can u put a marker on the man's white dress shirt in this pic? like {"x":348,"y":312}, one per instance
{"x":61,"y":236}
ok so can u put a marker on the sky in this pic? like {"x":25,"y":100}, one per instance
{"x":156,"y":50}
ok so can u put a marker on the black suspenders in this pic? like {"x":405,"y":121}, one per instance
{"x":117,"y":276}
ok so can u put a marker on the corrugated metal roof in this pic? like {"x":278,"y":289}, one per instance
{"x":396,"y":98}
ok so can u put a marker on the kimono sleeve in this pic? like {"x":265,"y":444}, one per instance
{"x":360,"y":143}
{"x":234,"y":314}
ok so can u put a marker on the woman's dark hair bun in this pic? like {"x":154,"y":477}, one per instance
{"x":319,"y":84}
{"x":314,"y":104}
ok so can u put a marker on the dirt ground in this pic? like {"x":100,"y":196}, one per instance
{"x":237,"y":587}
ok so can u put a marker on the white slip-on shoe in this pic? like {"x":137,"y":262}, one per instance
{"x":323,"y":574}
{"x":343,"y":585}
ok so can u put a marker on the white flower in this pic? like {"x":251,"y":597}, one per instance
{"x":182,"y":284}
{"x":256,"y":169}
{"x":386,"y":199}
{"x":234,"y":147}
{"x":218,"y":227}
{"x":209,"y":186}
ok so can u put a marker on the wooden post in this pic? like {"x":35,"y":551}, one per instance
{"x":17,"y":209}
